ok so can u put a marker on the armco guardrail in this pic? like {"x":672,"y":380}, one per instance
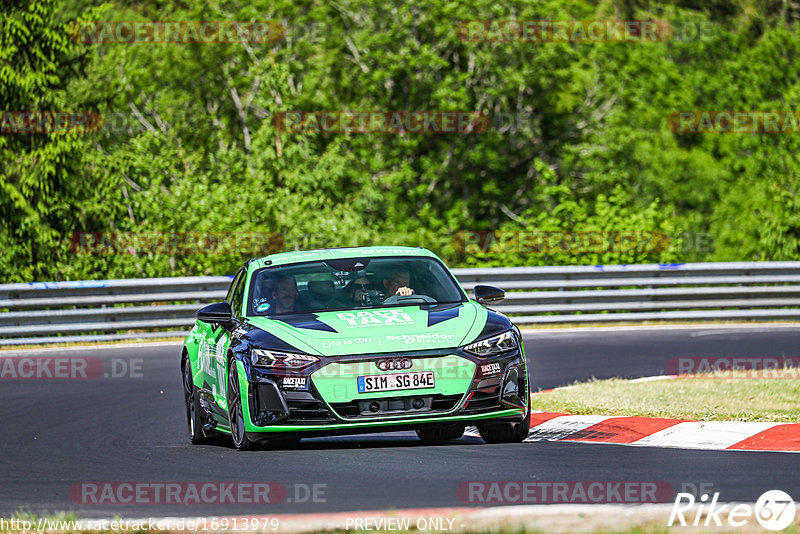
{"x":95,"y":310}
{"x":46,"y":312}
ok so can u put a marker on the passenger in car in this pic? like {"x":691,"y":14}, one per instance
{"x":284,"y":296}
{"x":355,"y":290}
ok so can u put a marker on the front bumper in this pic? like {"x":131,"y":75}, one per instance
{"x":324,"y":399}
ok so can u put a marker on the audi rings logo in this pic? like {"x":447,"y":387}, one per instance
{"x":393,"y":364}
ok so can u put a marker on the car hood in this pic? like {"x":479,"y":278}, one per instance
{"x":396,"y":329}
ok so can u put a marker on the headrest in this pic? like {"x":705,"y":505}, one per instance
{"x":322,"y":288}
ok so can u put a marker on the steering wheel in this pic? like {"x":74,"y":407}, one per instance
{"x":400,"y":299}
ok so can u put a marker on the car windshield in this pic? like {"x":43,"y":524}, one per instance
{"x":351,"y":283}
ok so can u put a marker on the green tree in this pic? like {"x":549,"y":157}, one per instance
{"x":588,"y":148}
{"x":38,"y":175}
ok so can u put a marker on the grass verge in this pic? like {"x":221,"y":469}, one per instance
{"x":703,"y":397}
{"x":656,"y":323}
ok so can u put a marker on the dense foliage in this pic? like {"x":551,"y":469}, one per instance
{"x":579,"y":143}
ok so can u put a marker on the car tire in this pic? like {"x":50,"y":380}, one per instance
{"x":192,"y":402}
{"x":439,"y":434}
{"x":236,"y":412}
{"x":505,"y":432}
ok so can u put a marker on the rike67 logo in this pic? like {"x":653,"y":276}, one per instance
{"x":375,"y":318}
{"x":774,"y":510}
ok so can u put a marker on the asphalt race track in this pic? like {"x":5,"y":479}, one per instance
{"x":57,"y":434}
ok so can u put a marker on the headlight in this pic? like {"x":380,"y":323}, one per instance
{"x":272,"y":359}
{"x":493,"y":345}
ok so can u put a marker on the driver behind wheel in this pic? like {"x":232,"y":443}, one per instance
{"x":397,"y":283}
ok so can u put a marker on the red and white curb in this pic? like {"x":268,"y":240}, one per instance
{"x":656,"y":432}
{"x":671,"y":433}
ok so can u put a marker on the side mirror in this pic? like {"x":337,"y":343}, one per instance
{"x":488,"y":294}
{"x":217,"y":313}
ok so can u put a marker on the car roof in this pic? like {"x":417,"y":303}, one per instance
{"x":298,"y":256}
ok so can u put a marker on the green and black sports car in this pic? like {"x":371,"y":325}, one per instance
{"x":353,"y":340}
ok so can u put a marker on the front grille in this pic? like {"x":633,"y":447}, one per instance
{"x":267,"y":407}
{"x":485,"y":396}
{"x":396,"y":406}
{"x":305,"y":409}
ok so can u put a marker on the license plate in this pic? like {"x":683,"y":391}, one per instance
{"x":395,"y":381}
